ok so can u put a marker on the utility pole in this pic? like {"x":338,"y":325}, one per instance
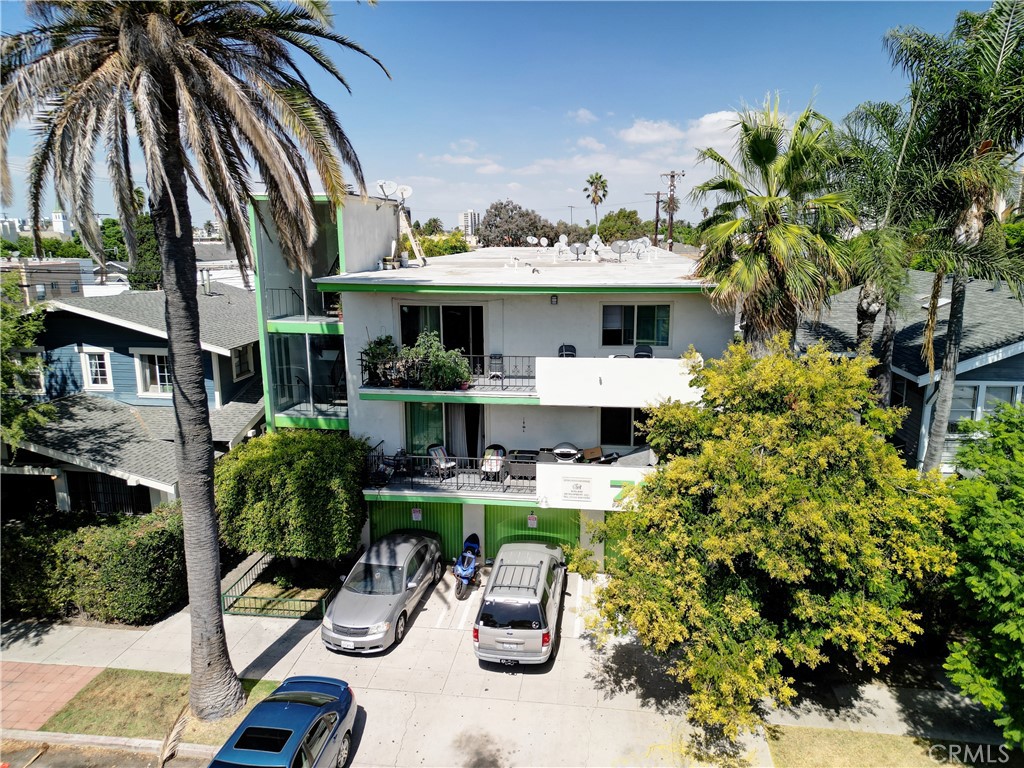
{"x":671,"y":176}
{"x":570,"y":213}
{"x":657,"y":213}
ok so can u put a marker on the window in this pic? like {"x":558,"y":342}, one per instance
{"x":625,"y":324}
{"x":96,"y":373}
{"x":31,"y":378}
{"x":241,"y":362}
{"x":317,"y":736}
{"x":152,"y":372}
{"x":74,"y":286}
{"x":618,"y":426}
{"x":415,"y":562}
{"x":965,"y":400}
{"x":994,"y":395}
{"x":899,"y":392}
{"x":53,"y":285}
{"x":40,"y":292}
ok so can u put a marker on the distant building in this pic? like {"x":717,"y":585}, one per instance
{"x":10,"y":229}
{"x":469,"y":222}
{"x":61,"y":223}
{"x":47,"y":279}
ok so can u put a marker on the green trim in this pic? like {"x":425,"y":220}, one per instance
{"x":264,"y":342}
{"x":375,"y":494}
{"x":311,"y":422}
{"x":380,"y":287}
{"x":316,"y":328}
{"x":341,"y":239}
{"x":416,"y":396}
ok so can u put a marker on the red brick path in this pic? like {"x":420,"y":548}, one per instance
{"x":30,"y":694}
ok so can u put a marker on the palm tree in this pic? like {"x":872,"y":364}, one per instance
{"x":972,"y":107}
{"x":208,"y":86}
{"x":670,"y":206}
{"x":771,"y":243}
{"x":597,"y":192}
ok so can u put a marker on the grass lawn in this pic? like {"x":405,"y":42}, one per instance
{"x":793,"y":747}
{"x":144,"y":705}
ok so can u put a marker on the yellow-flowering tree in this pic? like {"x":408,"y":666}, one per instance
{"x":779,"y":528}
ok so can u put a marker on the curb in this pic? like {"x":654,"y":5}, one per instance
{"x":153,"y":746}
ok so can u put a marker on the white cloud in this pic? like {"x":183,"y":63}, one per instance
{"x":448,"y":159}
{"x":583,"y":116}
{"x":651,"y":132}
{"x":589,"y":142}
{"x":491,"y":168}
{"x":463,"y":145}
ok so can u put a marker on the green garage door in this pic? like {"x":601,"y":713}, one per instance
{"x":441,"y":518}
{"x":505,"y":524}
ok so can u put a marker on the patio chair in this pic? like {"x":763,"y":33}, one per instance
{"x":567,"y":350}
{"x":492,"y":465}
{"x":441,"y":464}
{"x":643,"y":350}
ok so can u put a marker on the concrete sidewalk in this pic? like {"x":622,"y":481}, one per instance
{"x":425,"y":700}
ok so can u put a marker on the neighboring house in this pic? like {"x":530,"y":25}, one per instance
{"x":110,"y":445}
{"x":990,"y":370}
{"x":46,"y":279}
{"x":509,"y":310}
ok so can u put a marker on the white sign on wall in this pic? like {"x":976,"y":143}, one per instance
{"x":417,"y":514}
{"x":576,"y":489}
{"x":531,"y":521}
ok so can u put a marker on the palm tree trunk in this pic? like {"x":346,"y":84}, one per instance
{"x":215,"y":690}
{"x":869,"y":304}
{"x":595,"y":218}
{"x":886,"y":344}
{"x":944,"y":399}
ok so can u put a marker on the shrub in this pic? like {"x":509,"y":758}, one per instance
{"x":132,"y":572}
{"x":293,"y":493}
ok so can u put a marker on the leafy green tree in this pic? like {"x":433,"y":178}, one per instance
{"x":597,"y":193}
{"x":442,"y":245}
{"x":19,"y":329}
{"x":434,"y":226}
{"x":506,"y":223}
{"x":987,"y":663}
{"x":780,"y":530}
{"x":146,"y":274}
{"x":772,"y":243}
{"x":293,"y":493}
{"x":624,"y":224}
{"x":213,"y":92}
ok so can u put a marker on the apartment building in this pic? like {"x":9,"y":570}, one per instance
{"x":562,"y":353}
{"x":469,"y":222}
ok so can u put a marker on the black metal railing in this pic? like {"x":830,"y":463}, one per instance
{"x":487,"y":372}
{"x":287,"y":396}
{"x":404,"y":471}
{"x":287,"y":302}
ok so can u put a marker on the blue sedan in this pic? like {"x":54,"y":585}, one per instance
{"x":305,"y":723}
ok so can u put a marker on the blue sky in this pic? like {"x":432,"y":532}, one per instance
{"x":493,"y":100}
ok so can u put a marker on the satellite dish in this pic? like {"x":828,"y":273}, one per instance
{"x":531,"y":240}
{"x":563,"y":239}
{"x":387,"y":188}
{"x":645,"y":241}
{"x":578,"y":248}
{"x":404,"y":191}
{"x":620,"y":248}
{"x":543,"y":242}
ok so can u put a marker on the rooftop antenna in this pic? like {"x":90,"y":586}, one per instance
{"x":620,"y":247}
{"x":543,"y":242}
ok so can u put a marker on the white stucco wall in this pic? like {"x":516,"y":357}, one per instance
{"x":583,"y":486}
{"x":612,"y":382}
{"x":368,"y":230}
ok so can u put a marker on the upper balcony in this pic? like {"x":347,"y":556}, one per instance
{"x":610,"y":382}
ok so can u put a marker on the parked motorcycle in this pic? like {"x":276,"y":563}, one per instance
{"x":467,"y":567}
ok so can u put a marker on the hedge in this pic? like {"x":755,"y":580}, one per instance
{"x":131,"y":570}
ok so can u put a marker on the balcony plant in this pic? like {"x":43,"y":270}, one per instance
{"x":379,"y":357}
{"x":440,"y":368}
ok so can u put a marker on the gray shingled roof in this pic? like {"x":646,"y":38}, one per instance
{"x":227,"y":422}
{"x":217,"y":250}
{"x":104,"y":434}
{"x":227,"y":317}
{"x":993,"y":319}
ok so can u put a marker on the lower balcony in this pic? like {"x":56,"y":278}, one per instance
{"x":322,"y":406}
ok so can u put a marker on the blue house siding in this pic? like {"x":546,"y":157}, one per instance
{"x":66,"y":332}
{"x":229,"y":387}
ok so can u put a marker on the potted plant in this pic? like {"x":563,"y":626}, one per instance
{"x":378,"y":359}
{"x":440,"y":368}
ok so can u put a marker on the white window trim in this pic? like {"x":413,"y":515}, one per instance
{"x":634,"y":304}
{"x":252,"y":368}
{"x":83,"y":354}
{"x":34,"y":352}
{"x":137,"y":353}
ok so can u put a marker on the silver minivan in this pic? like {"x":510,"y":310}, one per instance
{"x":518,"y":616}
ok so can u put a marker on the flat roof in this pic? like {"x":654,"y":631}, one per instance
{"x":530,"y":270}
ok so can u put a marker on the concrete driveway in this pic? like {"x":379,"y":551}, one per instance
{"x":429,"y":702}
